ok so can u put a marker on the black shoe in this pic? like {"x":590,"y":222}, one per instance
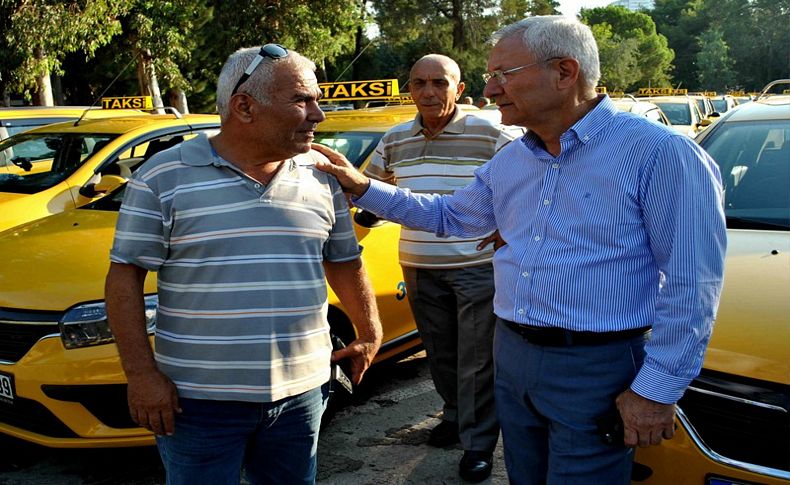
{"x":475,"y":466}
{"x":444,"y":434}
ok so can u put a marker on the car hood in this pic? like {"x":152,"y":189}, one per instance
{"x":752,"y":330}
{"x":6,"y":196}
{"x":56,"y":262}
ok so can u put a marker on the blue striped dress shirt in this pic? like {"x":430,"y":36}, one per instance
{"x":624,"y":229}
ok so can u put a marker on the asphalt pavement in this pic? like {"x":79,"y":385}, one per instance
{"x":379,"y":437}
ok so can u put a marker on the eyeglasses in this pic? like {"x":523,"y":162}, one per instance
{"x":272,"y":51}
{"x":500,"y":74}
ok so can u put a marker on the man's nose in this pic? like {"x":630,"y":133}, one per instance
{"x":492,"y":88}
{"x":315,"y":113}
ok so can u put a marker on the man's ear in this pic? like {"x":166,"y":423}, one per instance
{"x":568,"y":69}
{"x":460,"y":90}
{"x":241,"y":107}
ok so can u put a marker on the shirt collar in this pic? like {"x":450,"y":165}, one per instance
{"x":594,"y":121}
{"x":456,"y":124}
{"x":198,"y":152}
{"x":584,"y":129}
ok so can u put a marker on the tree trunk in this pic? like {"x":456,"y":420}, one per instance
{"x":43,"y":94}
{"x":459,"y":36}
{"x":146,"y":78}
{"x":57,"y":90}
{"x":356,"y":72}
{"x":178,"y":100}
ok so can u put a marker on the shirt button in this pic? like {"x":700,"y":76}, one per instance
{"x":586,"y":138}
{"x":525,"y":274}
{"x":555,"y":165}
{"x":536,"y":238}
{"x":520,"y":311}
{"x":546,"y":201}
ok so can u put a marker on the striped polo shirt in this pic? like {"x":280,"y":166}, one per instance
{"x":406,"y":156}
{"x":242,"y":309}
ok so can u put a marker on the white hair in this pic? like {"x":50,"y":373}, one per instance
{"x":548,"y":36}
{"x":260,"y":83}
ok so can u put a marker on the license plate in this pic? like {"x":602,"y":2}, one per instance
{"x":6,"y":387}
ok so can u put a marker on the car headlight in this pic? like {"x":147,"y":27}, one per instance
{"x":86,"y":325}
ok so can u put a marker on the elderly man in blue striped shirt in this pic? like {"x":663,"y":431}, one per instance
{"x":241,"y":230}
{"x":614,"y":225}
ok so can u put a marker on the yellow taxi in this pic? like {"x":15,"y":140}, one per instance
{"x":704,"y":103}
{"x":649,"y":110}
{"x":23,"y":118}
{"x":59,"y":167}
{"x":683,"y":112}
{"x":733,"y":423}
{"x":61,"y":382}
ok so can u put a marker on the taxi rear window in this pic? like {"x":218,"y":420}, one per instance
{"x":19,"y":125}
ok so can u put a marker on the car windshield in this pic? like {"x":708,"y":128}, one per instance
{"x":30,"y":163}
{"x":754,"y":158}
{"x":720,"y":105}
{"x":355,"y":145}
{"x":678,"y":113}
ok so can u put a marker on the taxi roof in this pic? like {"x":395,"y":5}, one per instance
{"x":367,"y":119}
{"x":57,"y":111}
{"x":775,"y":107}
{"x":124,"y":124}
{"x":666,"y":99}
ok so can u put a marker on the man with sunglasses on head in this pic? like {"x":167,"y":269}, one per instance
{"x":241,"y":230}
{"x":449,"y":283}
{"x":614,"y":225}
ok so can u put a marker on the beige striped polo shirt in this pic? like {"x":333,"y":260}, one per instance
{"x":408,"y":157}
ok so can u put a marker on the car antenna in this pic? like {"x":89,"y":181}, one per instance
{"x":134,"y":58}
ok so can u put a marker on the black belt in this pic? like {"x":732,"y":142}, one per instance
{"x":559,"y":337}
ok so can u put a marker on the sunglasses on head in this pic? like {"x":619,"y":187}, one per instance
{"x":272,"y":51}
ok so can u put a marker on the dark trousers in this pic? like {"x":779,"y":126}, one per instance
{"x":453,"y":309}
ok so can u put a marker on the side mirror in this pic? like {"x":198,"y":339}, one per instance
{"x":704,"y":123}
{"x":105,"y":185}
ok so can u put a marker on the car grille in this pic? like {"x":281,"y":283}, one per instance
{"x":741,"y":419}
{"x":34,"y":417}
{"x":105,"y":401}
{"x":20,"y":330}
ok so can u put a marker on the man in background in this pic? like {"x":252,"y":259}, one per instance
{"x":450,"y":284}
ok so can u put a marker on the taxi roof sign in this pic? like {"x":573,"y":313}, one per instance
{"x":600,"y":89}
{"x":360,"y":90}
{"x":128,"y":102}
{"x":661,"y":92}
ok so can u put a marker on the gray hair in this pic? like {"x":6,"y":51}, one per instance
{"x":550,"y":36}
{"x":259,"y":84}
{"x":452,"y":67}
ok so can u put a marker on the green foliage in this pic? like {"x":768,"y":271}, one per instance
{"x":619,"y":59}
{"x":714,"y":66}
{"x":39,"y":33}
{"x":654,"y":57}
{"x":754,"y":30}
